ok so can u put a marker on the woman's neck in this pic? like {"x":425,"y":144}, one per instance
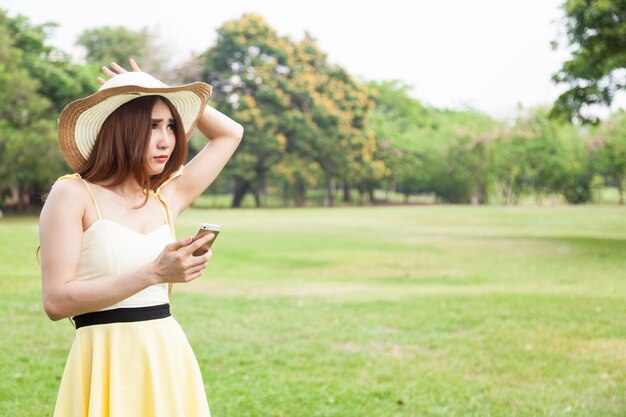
{"x":129,"y":189}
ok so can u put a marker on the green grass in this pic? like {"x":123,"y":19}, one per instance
{"x":374,"y":311}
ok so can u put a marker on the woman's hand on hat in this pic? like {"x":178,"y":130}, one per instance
{"x":176,"y":262}
{"x":118,"y":69}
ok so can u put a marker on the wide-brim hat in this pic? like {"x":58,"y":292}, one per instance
{"x":81,"y":120}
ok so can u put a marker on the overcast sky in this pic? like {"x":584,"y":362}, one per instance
{"x":486,"y":54}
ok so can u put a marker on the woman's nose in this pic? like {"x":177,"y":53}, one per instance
{"x":164,"y":139}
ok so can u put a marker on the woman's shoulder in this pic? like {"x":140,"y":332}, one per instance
{"x":61,"y":217}
{"x":67,"y":191}
{"x":68,"y":187}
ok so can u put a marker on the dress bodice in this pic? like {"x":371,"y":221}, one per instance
{"x":110,"y":248}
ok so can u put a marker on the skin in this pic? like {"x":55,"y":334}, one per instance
{"x":69,"y":212}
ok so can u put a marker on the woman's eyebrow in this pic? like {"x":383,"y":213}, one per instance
{"x":171,"y":120}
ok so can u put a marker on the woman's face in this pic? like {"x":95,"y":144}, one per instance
{"x":162,"y":138}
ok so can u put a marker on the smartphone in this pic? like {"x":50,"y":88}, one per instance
{"x":205,"y":229}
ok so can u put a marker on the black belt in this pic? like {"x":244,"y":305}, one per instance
{"x":122,"y":315}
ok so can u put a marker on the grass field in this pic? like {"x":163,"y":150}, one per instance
{"x":378,"y":311}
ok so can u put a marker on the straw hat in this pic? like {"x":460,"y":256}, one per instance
{"x":82,"y":119}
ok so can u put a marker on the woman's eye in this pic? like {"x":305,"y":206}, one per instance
{"x":171,"y":126}
{"x":154,"y":125}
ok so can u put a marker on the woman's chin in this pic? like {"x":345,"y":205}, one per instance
{"x":156,"y":170}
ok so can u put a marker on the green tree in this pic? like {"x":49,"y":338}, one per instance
{"x":248,"y":67}
{"x":544,"y":154}
{"x":306,"y":120}
{"x":429,"y":150}
{"x":580,"y":183}
{"x":117,"y":43}
{"x":510,"y":167}
{"x":338,"y":108}
{"x":402,"y":128}
{"x":36,"y":81}
{"x":596,"y":31}
{"x":610,"y":143}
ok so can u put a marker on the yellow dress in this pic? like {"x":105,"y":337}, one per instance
{"x":129,"y":369}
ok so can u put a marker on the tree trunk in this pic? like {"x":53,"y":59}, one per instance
{"x":300,"y":194}
{"x":286,"y":193}
{"x":24,"y":199}
{"x":483,"y":194}
{"x":346,"y":194}
{"x":241,"y":188}
{"x":391,"y":188}
{"x":619,"y":179}
{"x":370,"y":193}
{"x":257,"y":197}
{"x":330,"y":191}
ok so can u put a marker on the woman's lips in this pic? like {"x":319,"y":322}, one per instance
{"x":161,"y":159}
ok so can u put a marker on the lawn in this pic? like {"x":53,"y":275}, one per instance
{"x":373,"y":311}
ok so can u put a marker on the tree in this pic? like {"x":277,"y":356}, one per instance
{"x":116,"y":44}
{"x":338,"y":108}
{"x":36,"y":81}
{"x":610,"y":143}
{"x":403,"y":130}
{"x":596,"y":30}
{"x":305,"y":119}
{"x":248,"y":67}
{"x":543,"y":150}
{"x":580,"y":181}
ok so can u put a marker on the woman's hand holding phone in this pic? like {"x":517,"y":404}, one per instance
{"x":176,"y":263}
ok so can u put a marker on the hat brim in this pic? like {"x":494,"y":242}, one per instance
{"x":81,"y":120}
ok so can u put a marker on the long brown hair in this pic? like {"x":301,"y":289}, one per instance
{"x":122,"y":144}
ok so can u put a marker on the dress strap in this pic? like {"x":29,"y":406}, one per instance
{"x":173,"y":176}
{"x":165,"y":205}
{"x":77,"y":176}
{"x":167,"y":212}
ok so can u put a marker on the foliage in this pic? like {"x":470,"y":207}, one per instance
{"x":306,"y":120}
{"x":36,"y":81}
{"x":610,"y":145}
{"x":428,"y":150}
{"x":596,"y":31}
{"x":108,"y":44}
{"x":309,"y":123}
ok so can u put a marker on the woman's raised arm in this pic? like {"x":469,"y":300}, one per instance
{"x":224,"y":136}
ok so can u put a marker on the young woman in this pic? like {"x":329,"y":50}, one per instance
{"x":108,"y":252}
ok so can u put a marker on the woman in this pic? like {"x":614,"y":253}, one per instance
{"x":108,"y":252}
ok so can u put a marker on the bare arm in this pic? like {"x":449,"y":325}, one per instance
{"x":60,"y":234}
{"x":224,"y":136}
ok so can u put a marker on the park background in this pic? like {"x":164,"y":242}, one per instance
{"x":403,"y":257}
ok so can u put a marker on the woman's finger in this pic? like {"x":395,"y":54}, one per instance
{"x":194,"y":276}
{"x":108,"y":72}
{"x":117,"y":68}
{"x":174,"y":246}
{"x":197,"y":269}
{"x":101,"y":80}
{"x":198,"y":243}
{"x":194,"y":261}
{"x":134,"y":65}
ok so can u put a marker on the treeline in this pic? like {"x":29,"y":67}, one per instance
{"x":464,"y":157}
{"x":310,"y":125}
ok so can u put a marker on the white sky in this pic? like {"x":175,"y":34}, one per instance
{"x":486,"y":54}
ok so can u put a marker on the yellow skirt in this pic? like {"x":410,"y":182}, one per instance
{"x":137,"y":369}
